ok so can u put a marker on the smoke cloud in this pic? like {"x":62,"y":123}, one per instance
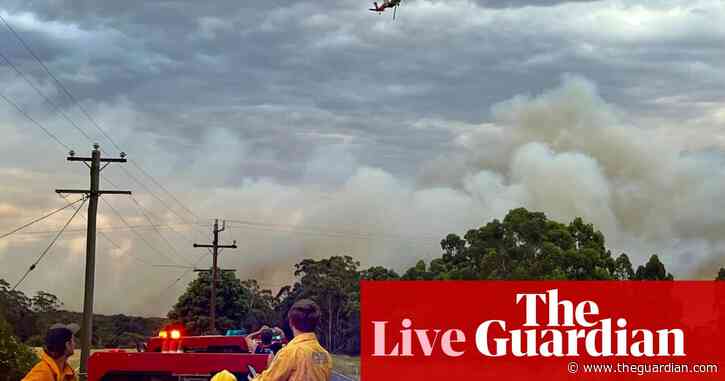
{"x":566,"y":152}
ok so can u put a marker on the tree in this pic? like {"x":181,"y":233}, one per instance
{"x":192,"y":308}
{"x":418,"y":272}
{"x":333,"y":284}
{"x":653,"y":270}
{"x":623,"y":268}
{"x":721,"y":274}
{"x":260,"y":305}
{"x":17,"y":311}
{"x":44,"y":302}
{"x":45,"y":307}
{"x":378,"y":273}
{"x":16,"y":359}
{"x":525,"y":245}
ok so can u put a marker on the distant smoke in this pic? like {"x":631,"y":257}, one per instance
{"x":565,"y":152}
{"x":569,"y":153}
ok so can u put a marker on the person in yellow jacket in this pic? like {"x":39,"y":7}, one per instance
{"x":59,"y":346}
{"x":303,"y":358}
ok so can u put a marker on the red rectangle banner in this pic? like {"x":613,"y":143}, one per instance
{"x":542,"y":330}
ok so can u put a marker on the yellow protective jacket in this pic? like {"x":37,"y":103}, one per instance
{"x":303,"y":359}
{"x":47,"y":370}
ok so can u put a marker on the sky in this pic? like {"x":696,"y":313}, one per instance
{"x":319,"y":128}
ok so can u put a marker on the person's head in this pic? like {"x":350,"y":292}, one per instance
{"x":60,"y":340}
{"x":304,"y":315}
{"x":266,"y":336}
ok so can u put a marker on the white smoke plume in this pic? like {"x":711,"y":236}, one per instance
{"x":566,"y":152}
{"x":569,"y":153}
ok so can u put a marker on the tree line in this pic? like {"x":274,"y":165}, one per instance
{"x":524,"y":245}
{"x":30,"y":317}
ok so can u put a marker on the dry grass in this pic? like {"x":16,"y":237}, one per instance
{"x":347,"y":366}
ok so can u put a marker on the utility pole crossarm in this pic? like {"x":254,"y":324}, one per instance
{"x":69,"y":191}
{"x":102,"y":160}
{"x":209,"y":270}
{"x":234,"y":246}
{"x":214,"y":270}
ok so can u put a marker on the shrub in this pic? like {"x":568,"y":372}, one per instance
{"x":16,"y":359}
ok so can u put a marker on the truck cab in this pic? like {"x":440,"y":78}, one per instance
{"x":173,"y":356}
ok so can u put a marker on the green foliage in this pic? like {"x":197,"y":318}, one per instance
{"x":44,"y":302}
{"x":623,"y":268}
{"x":35,"y":341}
{"x":525,"y":245}
{"x":333,"y":284}
{"x":653,"y":270}
{"x":419,"y":272}
{"x":17,"y":311}
{"x":16,"y":359}
{"x":121,"y":331}
{"x":29,"y":319}
{"x":721,"y":274}
{"x":260,"y":306}
{"x":232,"y":304}
{"x":379,"y":273}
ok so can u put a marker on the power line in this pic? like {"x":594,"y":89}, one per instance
{"x":177,"y":280}
{"x":51,"y":135}
{"x":32,"y":267}
{"x":42,"y":218}
{"x":104,"y":229}
{"x":58,"y":83}
{"x":93,"y":122}
{"x":324,"y":232}
{"x":164,"y":189}
{"x":143,"y":211}
{"x":30,"y":118}
{"x":147,"y":214}
{"x":47,"y":99}
{"x":133,"y":230}
{"x":112,"y":242}
{"x":56,"y":139}
{"x":164,"y":204}
{"x":137,"y":181}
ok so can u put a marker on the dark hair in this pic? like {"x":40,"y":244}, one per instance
{"x":55,"y":341}
{"x":304,"y":315}
{"x":266,"y":336}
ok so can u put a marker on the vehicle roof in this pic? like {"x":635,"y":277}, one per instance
{"x":191,"y":343}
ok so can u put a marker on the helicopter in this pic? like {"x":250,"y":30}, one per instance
{"x":380,"y":8}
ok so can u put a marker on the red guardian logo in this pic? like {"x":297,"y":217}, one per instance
{"x":569,"y":329}
{"x":548,"y":330}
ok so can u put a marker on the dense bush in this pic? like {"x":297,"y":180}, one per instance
{"x":16,"y":359}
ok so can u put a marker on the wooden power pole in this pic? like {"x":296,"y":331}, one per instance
{"x":215,"y":246}
{"x":93,"y":193}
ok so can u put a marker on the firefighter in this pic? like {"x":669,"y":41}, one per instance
{"x":303,"y":358}
{"x":60,"y":344}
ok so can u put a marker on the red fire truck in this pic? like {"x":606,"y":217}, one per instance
{"x":172,"y":356}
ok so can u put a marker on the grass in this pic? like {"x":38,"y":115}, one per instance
{"x":347,"y":366}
